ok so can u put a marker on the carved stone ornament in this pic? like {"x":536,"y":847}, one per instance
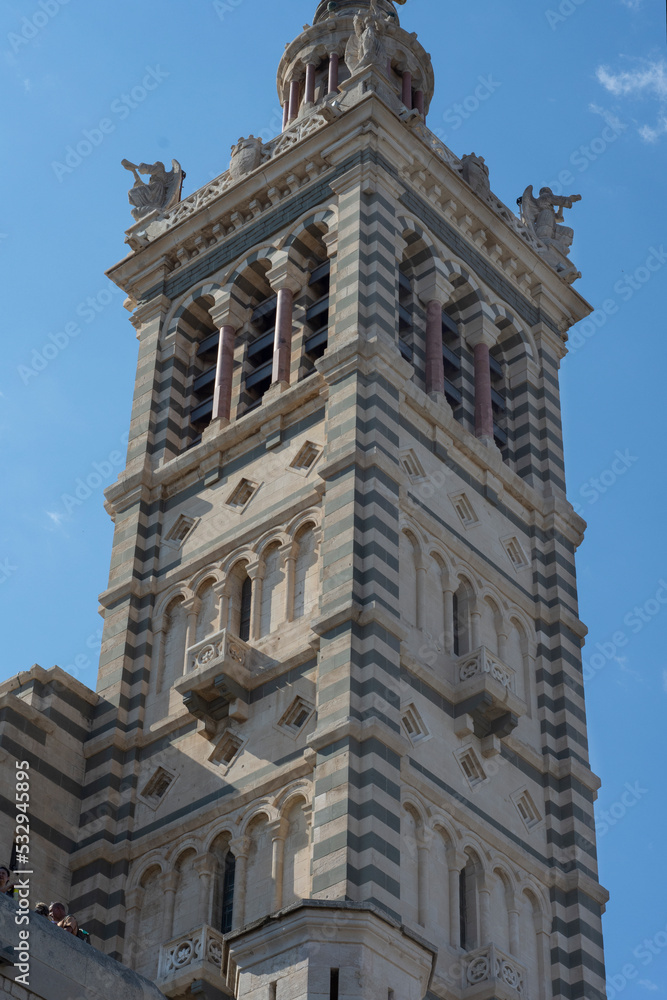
{"x":246,"y":157}
{"x":366,"y":46}
{"x":540,"y":217}
{"x":160,"y":193}
{"x":476,"y":173}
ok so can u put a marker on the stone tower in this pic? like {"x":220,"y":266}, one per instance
{"x":339,"y":749}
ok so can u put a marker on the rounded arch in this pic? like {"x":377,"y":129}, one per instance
{"x":256,"y":812}
{"x":300,"y":792}
{"x":417,"y":238}
{"x":153,"y":860}
{"x":305,"y":235}
{"x":303,"y":520}
{"x":178,"y":590}
{"x":265,"y":255}
{"x":445,"y":829}
{"x":185,"y":848}
{"x":223,"y":829}
{"x":508,"y":326}
{"x":277,"y":536}
{"x":210,"y":573}
{"x":245,"y":555}
{"x":412,"y":803}
{"x":179,"y":312}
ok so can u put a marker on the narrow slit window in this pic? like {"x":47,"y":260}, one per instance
{"x":229,"y":879}
{"x":246,"y":605}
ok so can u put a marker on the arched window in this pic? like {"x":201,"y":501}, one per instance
{"x":239,"y":588}
{"x":462,"y":621}
{"x":245,"y":609}
{"x":228,"y":882}
{"x":208,"y":611}
{"x":305,"y":572}
{"x":273,"y":590}
{"x":469,"y":903}
{"x":296,"y":864}
{"x":197,"y":320}
{"x":174,"y":640}
{"x":316,"y":333}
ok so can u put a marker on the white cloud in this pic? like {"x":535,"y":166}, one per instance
{"x":611,"y":119}
{"x":649,"y":79}
{"x":648,"y":985}
{"x":646,"y":81}
{"x":632,"y":4}
{"x":56,"y":517}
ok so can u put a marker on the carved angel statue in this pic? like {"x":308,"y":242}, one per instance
{"x":161,"y":193}
{"x":539,"y":217}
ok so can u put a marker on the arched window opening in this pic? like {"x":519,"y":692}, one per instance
{"x":451,"y":352}
{"x":228,"y":883}
{"x":261,"y":333}
{"x":469,"y":905}
{"x":175,"y":637}
{"x":462,"y":620}
{"x":207,"y":615}
{"x":406,"y":305}
{"x":305,"y":572}
{"x":273,"y":590}
{"x":197,"y":320}
{"x":240,"y":601}
{"x":316,"y":333}
{"x":246,"y":606}
{"x":499,"y":400}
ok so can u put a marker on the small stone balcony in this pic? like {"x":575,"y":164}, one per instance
{"x":197,"y":956}
{"x":218,"y":671}
{"x":485,"y":689}
{"x":490,"y":974}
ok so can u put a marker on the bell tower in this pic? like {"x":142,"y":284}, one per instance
{"x":341,"y":745}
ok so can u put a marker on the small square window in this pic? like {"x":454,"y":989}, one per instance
{"x":306,"y":457}
{"x":527,"y":809}
{"x":464,"y":509}
{"x":227,"y":749}
{"x":471,"y":767}
{"x":413,"y":725}
{"x":296,"y":716}
{"x":179,"y":531}
{"x":157,"y":787}
{"x":412,"y":466}
{"x":515,"y":552}
{"x":242,"y":494}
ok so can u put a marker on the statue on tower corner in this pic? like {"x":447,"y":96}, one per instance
{"x":160,"y":193}
{"x":540,"y":217}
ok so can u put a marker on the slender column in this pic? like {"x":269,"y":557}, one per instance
{"x":169,"y":889}
{"x":256,"y":602}
{"x":419,"y":101}
{"x":421,"y":596}
{"x":502,"y":646}
{"x":159,"y":629}
{"x":285,"y":279}
{"x":192,"y":610}
{"x":475,"y":630}
{"x":544,"y":960}
{"x":240,"y":848}
{"x":515,"y":941}
{"x":449,"y":621}
{"x":278,"y":835}
{"x":435,"y":365}
{"x":285,"y":114}
{"x":484,"y":916}
{"x":407,"y":89}
{"x":206,"y":866}
{"x":422,"y":883}
{"x":221,"y":592}
{"x":294,"y":99}
{"x":133,"y":902}
{"x":290,"y":566}
{"x":309,"y":97}
{"x":282,"y":349}
{"x":224,"y":374}
{"x":334,"y":60}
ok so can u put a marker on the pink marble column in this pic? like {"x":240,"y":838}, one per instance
{"x":419,"y":101}
{"x":333,"y":73}
{"x":282,"y":349}
{"x":435,"y":365}
{"x":310,"y":84}
{"x":407,"y":90}
{"x":294,"y":99}
{"x":222,"y":398}
{"x":483,"y":407}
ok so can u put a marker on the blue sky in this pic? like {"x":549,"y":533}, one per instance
{"x":576,"y":96}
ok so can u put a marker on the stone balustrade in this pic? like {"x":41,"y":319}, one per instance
{"x":214,"y":650}
{"x":195,"y":955}
{"x":489,"y":967}
{"x":482,"y":661}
